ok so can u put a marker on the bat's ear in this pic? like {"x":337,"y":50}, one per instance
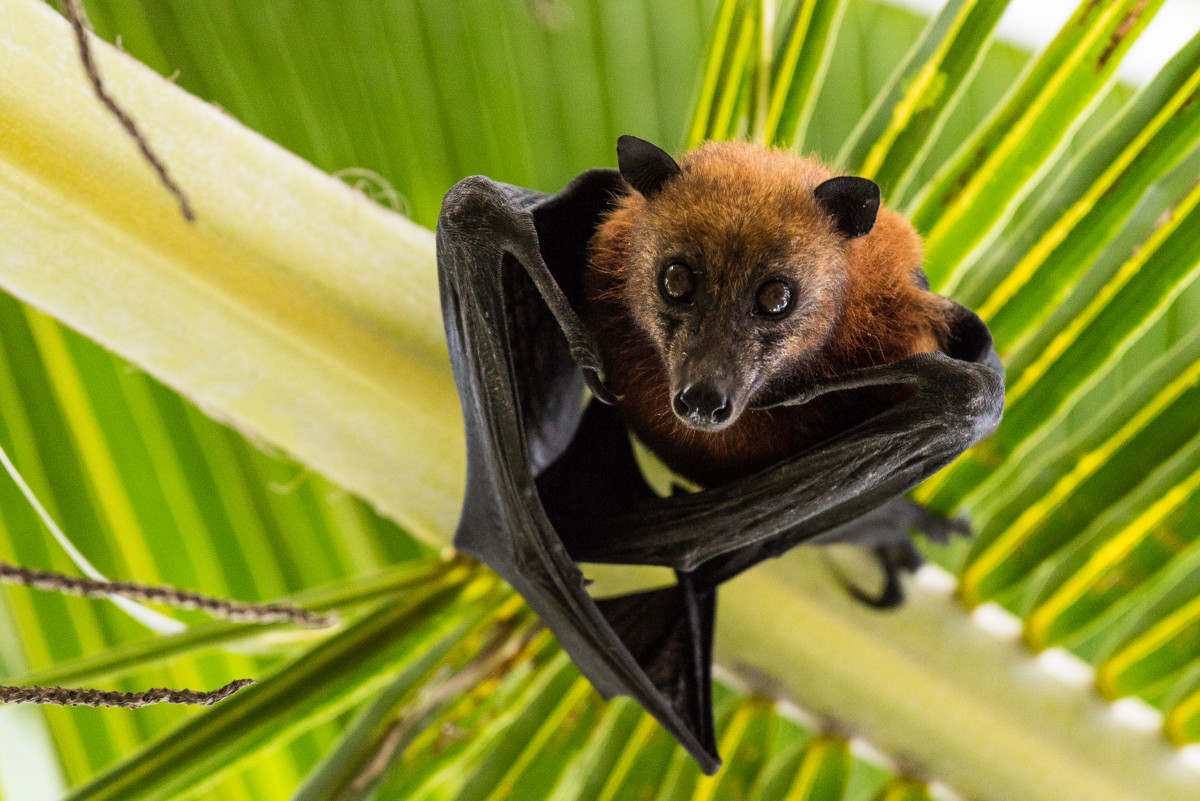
{"x":853,"y":202}
{"x":645,"y":166}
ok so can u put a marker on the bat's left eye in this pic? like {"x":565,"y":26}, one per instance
{"x":773,"y":299}
{"x":677,"y":283}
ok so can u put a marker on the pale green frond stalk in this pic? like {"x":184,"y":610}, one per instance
{"x":293,"y":307}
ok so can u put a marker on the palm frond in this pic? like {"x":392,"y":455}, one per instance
{"x":315,"y":326}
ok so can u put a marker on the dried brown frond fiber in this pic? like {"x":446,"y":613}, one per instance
{"x":75,"y":16}
{"x":64,"y":696}
{"x":170,"y":596}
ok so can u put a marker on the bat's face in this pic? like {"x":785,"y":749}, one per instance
{"x":736,"y":282}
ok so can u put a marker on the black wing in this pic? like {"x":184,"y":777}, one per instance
{"x":519,"y":354}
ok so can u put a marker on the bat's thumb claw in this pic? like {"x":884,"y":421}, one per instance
{"x":588,"y":360}
{"x":603,"y":394}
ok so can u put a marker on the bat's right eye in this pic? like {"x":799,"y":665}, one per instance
{"x":677,"y":283}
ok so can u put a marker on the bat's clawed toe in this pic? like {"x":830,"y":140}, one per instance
{"x":894,"y":557}
{"x":936,"y":527}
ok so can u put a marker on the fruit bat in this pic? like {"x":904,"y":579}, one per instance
{"x":757,"y":321}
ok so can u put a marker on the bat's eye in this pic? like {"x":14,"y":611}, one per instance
{"x":773,"y":299}
{"x":677,"y":283}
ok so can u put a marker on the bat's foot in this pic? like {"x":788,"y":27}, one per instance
{"x":894,"y":560}
{"x":935,"y":527}
{"x":888,"y":530}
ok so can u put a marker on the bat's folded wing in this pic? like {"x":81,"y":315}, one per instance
{"x":509,"y":262}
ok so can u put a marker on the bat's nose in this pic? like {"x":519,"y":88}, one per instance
{"x":703,"y":406}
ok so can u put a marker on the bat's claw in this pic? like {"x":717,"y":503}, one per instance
{"x":939,"y":528}
{"x":602,"y":393}
{"x":890,"y":597}
{"x":591,"y":377}
{"x":894,"y":559}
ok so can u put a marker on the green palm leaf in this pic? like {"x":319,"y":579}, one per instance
{"x":895,"y":135}
{"x":318,"y":330}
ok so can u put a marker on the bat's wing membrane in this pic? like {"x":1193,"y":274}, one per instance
{"x":508,"y":263}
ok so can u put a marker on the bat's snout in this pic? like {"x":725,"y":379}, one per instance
{"x":703,"y":406}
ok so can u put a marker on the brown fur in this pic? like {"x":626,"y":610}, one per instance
{"x":744,"y":214}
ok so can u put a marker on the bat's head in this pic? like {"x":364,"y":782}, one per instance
{"x":738,"y":267}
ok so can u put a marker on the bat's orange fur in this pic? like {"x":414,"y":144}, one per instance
{"x":738,"y":203}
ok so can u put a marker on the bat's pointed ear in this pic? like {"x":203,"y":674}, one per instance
{"x":852,"y":202}
{"x":645,"y":166}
